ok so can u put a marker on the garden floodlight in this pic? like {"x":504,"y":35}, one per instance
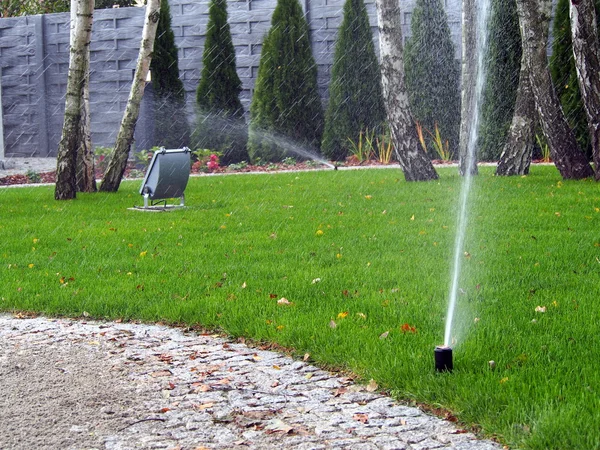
{"x":167,"y":177}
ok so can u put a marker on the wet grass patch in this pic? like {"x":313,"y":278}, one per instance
{"x":363,"y":261}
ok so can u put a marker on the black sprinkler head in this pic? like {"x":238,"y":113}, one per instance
{"x":334,"y":167}
{"x":443,"y":359}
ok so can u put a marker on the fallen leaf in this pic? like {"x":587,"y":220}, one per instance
{"x":165,"y":358}
{"x":339,"y":391}
{"x":204,"y":406}
{"x":342,"y":315}
{"x":306,"y":356}
{"x":278,"y":426}
{"x":255,"y":357}
{"x":361,"y":417}
{"x":384,"y":335}
{"x":272,"y":296}
{"x":276,"y":367}
{"x":308,"y":376}
{"x":406,"y":328}
{"x":164,"y":410}
{"x":332,"y":324}
{"x":316,"y":280}
{"x":161,"y":373}
{"x":361,"y":316}
{"x":283,"y":301}
{"x":372,"y":386}
{"x":540,"y":309}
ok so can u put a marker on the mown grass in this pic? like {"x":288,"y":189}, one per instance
{"x":381,"y":248}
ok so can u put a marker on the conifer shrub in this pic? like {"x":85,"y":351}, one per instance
{"x":170,"y":118}
{"x":503,"y":64}
{"x":286,"y":110}
{"x":220,"y":124}
{"x":432,"y":72}
{"x":355,"y":96}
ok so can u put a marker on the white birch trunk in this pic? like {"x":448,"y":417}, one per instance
{"x":66,"y":165}
{"x":584,"y":35}
{"x":414,"y":162}
{"x":534,"y":16}
{"x":86,"y":179}
{"x":118,"y":161}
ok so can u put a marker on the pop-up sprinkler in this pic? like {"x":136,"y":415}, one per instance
{"x":443,"y":358}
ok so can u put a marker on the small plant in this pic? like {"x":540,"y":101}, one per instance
{"x":238,"y":166}
{"x":544,"y":148}
{"x":206,"y":160}
{"x":363,"y":149}
{"x":272,"y":166}
{"x":33,"y":176}
{"x":143,"y":157}
{"x":383,"y":148}
{"x":135,"y":173}
{"x":101,"y":157}
{"x":420,"y":135}
{"x":442,"y":148}
{"x":312,"y":163}
{"x":289,"y":161}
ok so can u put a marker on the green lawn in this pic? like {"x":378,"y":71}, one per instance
{"x":381,"y":249}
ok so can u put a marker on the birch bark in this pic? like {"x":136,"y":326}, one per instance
{"x":414,"y":162}
{"x":570,"y":161}
{"x":66,"y":165}
{"x":118,"y":161}
{"x":586,"y":51}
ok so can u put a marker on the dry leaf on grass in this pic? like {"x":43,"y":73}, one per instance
{"x":372,"y":386}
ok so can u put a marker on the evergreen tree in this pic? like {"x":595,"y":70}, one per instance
{"x":432,"y":72}
{"x":170,"y":118}
{"x":220,"y":122}
{"x":106,"y":4}
{"x":355,"y":97}
{"x":286,"y":108}
{"x":502,"y":79}
{"x":564,"y":74}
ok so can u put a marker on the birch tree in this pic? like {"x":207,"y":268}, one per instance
{"x":584,"y":35}
{"x":66,"y":176}
{"x":516,"y":154}
{"x":534,"y":17}
{"x":118,"y":161}
{"x":86,"y":179}
{"x":413,"y":161}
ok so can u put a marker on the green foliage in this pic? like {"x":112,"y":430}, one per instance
{"x":355,"y":95}
{"x":432,"y":72}
{"x":502,"y":79}
{"x":564,"y":74}
{"x":220,"y":122}
{"x":170,"y":118}
{"x":13,"y":8}
{"x":102,"y":156}
{"x":286,"y":105}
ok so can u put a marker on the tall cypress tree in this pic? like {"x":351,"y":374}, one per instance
{"x":502,"y":80}
{"x":286,"y":108}
{"x":355,"y":96}
{"x":220,"y":122}
{"x":170,"y":118}
{"x":432,"y":72}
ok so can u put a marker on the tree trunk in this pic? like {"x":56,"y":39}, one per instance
{"x":468,"y":76}
{"x":414,"y":162}
{"x":66,"y":178}
{"x":86,"y":179}
{"x":118,"y":161}
{"x":516,"y":155}
{"x":586,"y":51}
{"x":533,"y":20}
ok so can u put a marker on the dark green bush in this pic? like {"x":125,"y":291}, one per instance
{"x":355,"y":96}
{"x":286,"y":111}
{"x":220,"y":124}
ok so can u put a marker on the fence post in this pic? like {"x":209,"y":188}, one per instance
{"x":1,"y":124}
{"x":42,"y":112}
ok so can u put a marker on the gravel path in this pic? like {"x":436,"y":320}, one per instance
{"x":70,"y":384}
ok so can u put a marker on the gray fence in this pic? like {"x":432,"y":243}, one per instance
{"x":34,"y":60}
